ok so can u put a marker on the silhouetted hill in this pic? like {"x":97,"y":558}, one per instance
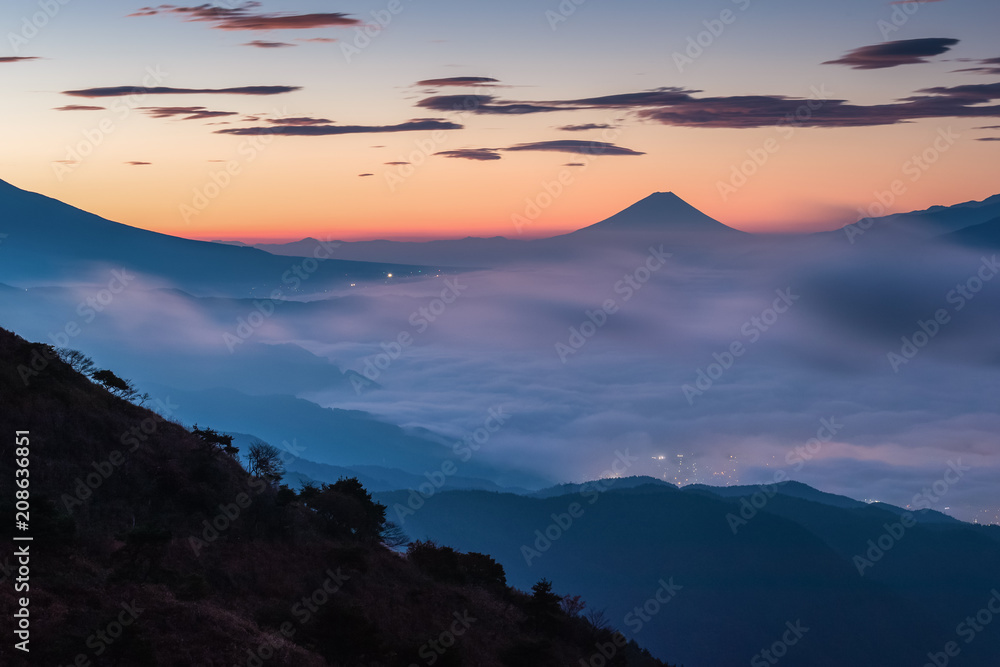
{"x":659,"y":213}
{"x":326,"y":435}
{"x":983,"y":235}
{"x":789,"y":559}
{"x":788,"y":488}
{"x":48,"y":241}
{"x":619,"y":483}
{"x":662,"y":217}
{"x":152,"y":546}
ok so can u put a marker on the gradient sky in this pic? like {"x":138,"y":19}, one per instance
{"x":288,"y":187}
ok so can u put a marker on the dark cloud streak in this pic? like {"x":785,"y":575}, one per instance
{"x":894,"y":54}
{"x":261,"y":44}
{"x":680,"y":107}
{"x":122,"y":91}
{"x":458,"y":81}
{"x":480,"y":154}
{"x":574,"y":146}
{"x":244,"y":18}
{"x":327,"y":130}
{"x":185,"y":113}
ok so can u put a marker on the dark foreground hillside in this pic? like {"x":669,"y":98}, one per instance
{"x":865,"y":586}
{"x":153,"y":546}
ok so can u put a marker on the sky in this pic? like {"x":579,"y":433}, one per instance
{"x":276,"y":121}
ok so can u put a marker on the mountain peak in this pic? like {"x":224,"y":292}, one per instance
{"x":660,"y":212}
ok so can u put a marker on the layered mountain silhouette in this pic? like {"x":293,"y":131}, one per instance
{"x":167,"y":551}
{"x":662,"y":217}
{"x":940,"y":220}
{"x":983,"y":235}
{"x":48,"y":241}
{"x":748,"y":566}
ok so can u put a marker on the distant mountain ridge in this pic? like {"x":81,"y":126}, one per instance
{"x":661,"y":217}
{"x":50,"y":241}
{"x":855,"y":572}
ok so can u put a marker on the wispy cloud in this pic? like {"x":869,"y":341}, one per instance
{"x":585,"y":127}
{"x":79,"y":107}
{"x":243,"y":17}
{"x":261,"y":44}
{"x":987,"y":66}
{"x":326,"y":130}
{"x":574,"y":146}
{"x":465,"y":81}
{"x":185,"y":113}
{"x":594,"y":148}
{"x":121,"y":91}
{"x":894,"y":54}
{"x":17,"y":59}
{"x":301,"y":120}
{"x":481,"y":154}
{"x":483,"y":104}
{"x":684,"y":108}
{"x":137,"y":163}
